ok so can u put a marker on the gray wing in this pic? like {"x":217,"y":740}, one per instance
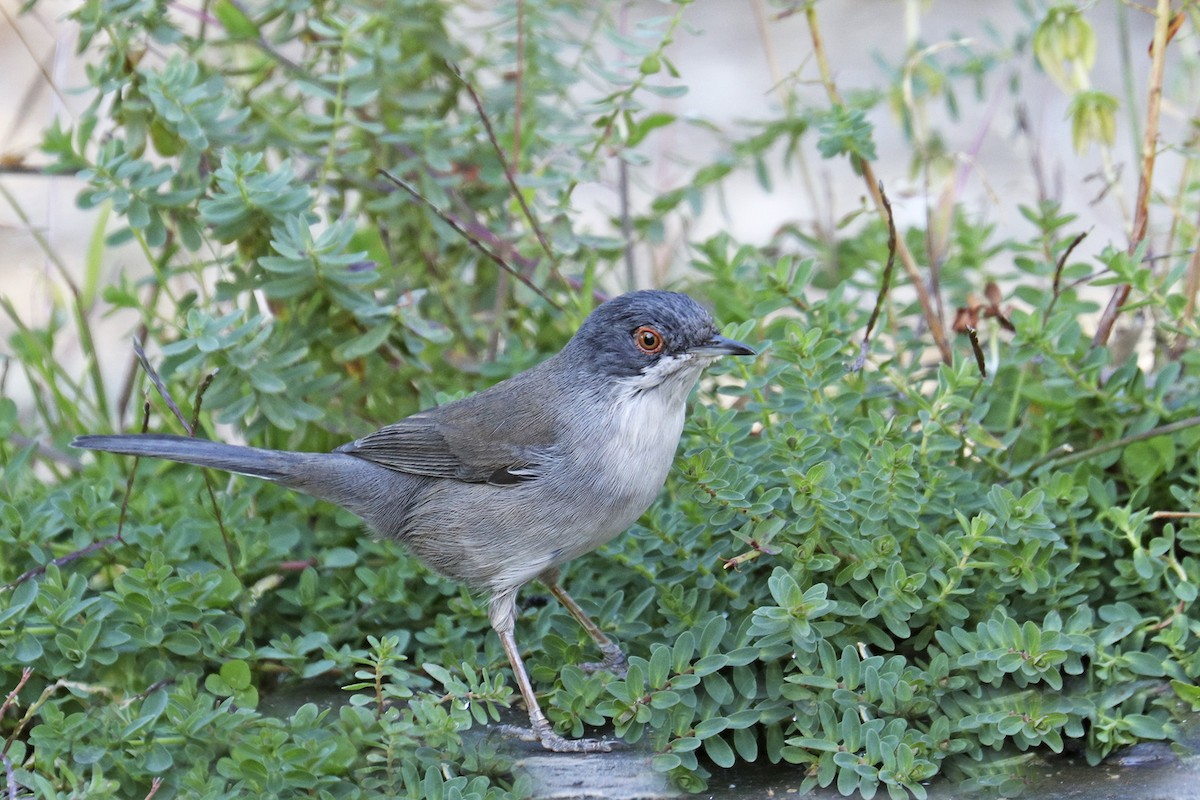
{"x":438,"y":450}
{"x":487,"y":438}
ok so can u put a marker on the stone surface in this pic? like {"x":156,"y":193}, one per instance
{"x":619,"y":775}
{"x":1153,"y":771}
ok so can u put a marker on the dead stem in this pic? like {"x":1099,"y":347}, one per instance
{"x":1191,"y":285}
{"x":1141,"y":211}
{"x":936,"y":328}
{"x":884,"y":285}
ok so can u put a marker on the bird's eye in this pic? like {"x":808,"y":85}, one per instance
{"x":648,"y":340}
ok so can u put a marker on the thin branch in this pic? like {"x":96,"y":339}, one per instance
{"x":60,"y":561}
{"x":936,"y":328}
{"x":149,"y":690}
{"x":1062,"y":261}
{"x":471,"y":238}
{"x":1100,"y":449}
{"x":623,"y":188}
{"x":1191,"y":285}
{"x":261,"y":43}
{"x":216,"y":507}
{"x":94,"y":546}
{"x":132,"y":472}
{"x":768,"y":47}
{"x":473,"y":229}
{"x":505,"y":165}
{"x":126,"y":392}
{"x":1059,"y":266}
{"x":75,"y":687}
{"x":1158,"y":52}
{"x":86,"y":341}
{"x":500,"y":302}
{"x":160,"y":386}
{"x":44,"y":450}
{"x":884,"y":285}
{"x":12,"y":696}
{"x":208,"y":483}
{"x":980,"y":361}
{"x":1035,"y":158}
{"x":626,"y":224}
{"x":200,"y":390}
{"x":29,"y":51}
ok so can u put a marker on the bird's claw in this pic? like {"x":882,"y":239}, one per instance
{"x":614,"y":662}
{"x":558,"y":744}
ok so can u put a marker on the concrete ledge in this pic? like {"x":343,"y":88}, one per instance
{"x":1152,"y":771}
{"x":624,"y":775}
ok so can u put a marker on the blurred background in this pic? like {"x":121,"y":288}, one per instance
{"x":1004,"y":145}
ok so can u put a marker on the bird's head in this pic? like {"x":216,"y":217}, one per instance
{"x":649,"y":339}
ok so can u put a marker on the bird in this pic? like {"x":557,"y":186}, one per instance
{"x":503,"y":487}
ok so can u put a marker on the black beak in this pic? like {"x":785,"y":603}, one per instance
{"x":722,"y":346}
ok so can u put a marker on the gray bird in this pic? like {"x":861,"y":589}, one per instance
{"x":503,"y":487}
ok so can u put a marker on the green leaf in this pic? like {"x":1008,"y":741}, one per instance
{"x":236,"y":674}
{"x":711,"y":727}
{"x":845,"y":131}
{"x":369,"y":342}
{"x":340,"y":558}
{"x":1188,"y":693}
{"x":720,"y":752}
{"x":659,"y":668}
{"x":1149,"y":458}
{"x":665,"y":762}
{"x":645,"y":125}
{"x":1144,"y":726}
{"x":237,"y":25}
{"x":1144,"y":664}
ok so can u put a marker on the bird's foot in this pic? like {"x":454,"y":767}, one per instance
{"x":614,"y":662}
{"x":558,"y":744}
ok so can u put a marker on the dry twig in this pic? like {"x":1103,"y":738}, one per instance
{"x":936,"y":329}
{"x":1141,"y":212}
{"x":884,"y":284}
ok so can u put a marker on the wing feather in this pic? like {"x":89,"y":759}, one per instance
{"x":455,"y":442}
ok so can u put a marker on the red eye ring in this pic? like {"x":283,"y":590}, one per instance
{"x":649,"y":340}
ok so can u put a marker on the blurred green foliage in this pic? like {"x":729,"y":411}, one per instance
{"x":877,"y":576}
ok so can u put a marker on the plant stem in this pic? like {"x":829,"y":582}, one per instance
{"x":1141,"y":210}
{"x":1100,"y":449}
{"x":936,"y":329}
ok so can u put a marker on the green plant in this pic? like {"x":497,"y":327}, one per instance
{"x":894,"y":546}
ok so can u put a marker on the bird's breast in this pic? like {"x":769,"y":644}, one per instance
{"x":629,"y":458}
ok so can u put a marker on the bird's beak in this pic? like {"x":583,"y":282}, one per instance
{"x":722,"y":346}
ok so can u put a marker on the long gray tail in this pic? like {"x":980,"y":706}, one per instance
{"x":273,"y":465}
{"x":378,"y":495}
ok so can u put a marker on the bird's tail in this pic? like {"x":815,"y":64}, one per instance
{"x":367,"y":489}
{"x":273,"y":465}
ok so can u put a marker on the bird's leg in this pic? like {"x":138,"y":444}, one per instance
{"x":502,"y":613}
{"x":614,"y":659}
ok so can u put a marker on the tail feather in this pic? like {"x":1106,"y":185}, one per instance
{"x":273,"y":465}
{"x":380,"y":496}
